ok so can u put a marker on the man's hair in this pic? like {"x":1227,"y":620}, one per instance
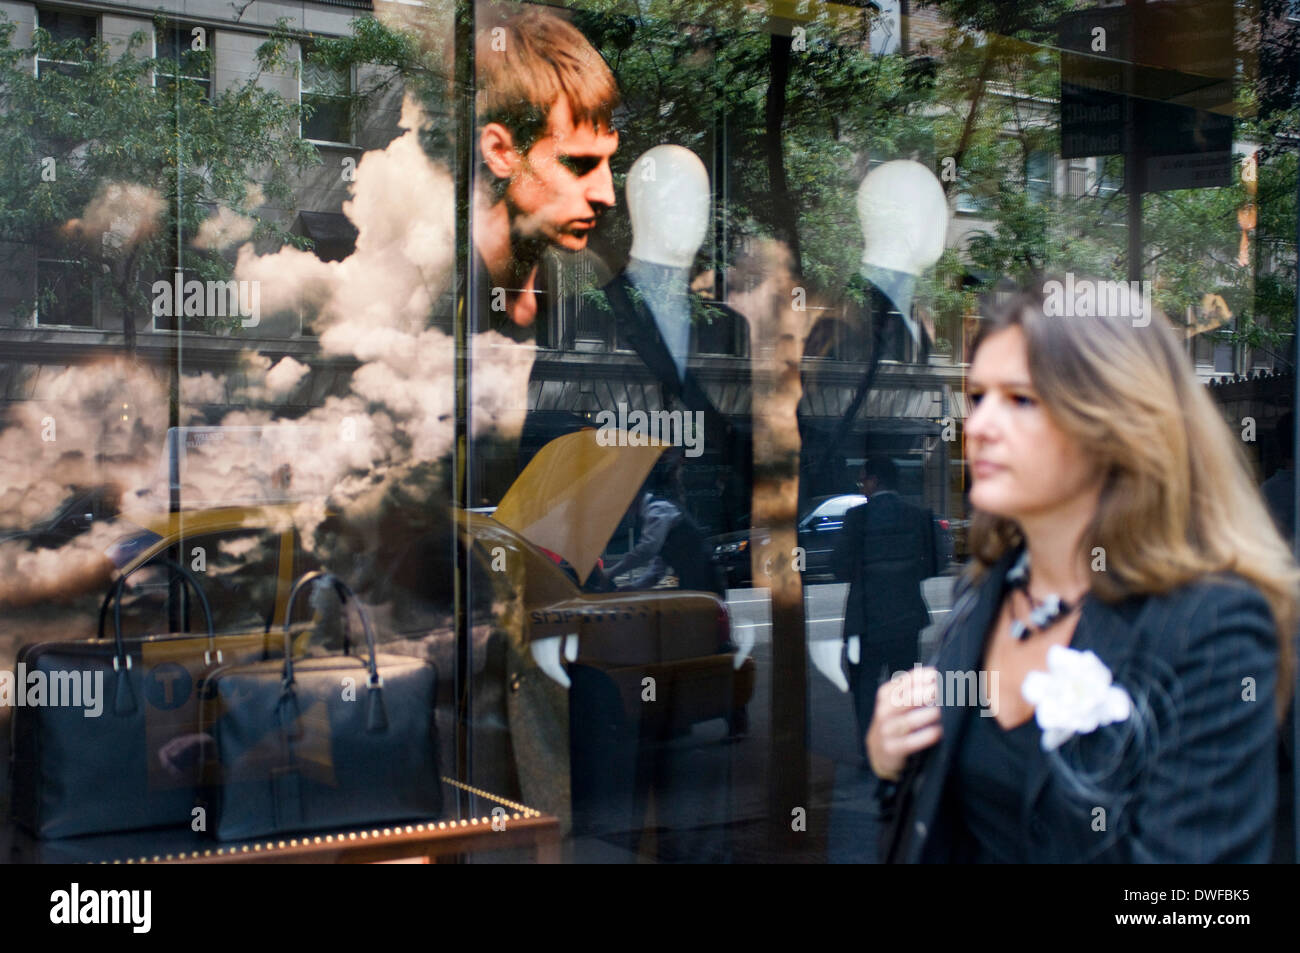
{"x":664,"y":480}
{"x":883,"y":469}
{"x":538,"y":58}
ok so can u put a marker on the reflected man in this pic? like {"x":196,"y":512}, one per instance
{"x":887,"y":548}
{"x":544,"y":132}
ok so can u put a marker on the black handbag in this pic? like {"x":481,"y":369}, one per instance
{"x":135,"y":763}
{"x":322,"y":742}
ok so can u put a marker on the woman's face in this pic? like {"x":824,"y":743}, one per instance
{"x":1023,"y":465}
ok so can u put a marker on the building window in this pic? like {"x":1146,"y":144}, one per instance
{"x":65,"y":289}
{"x":1078,"y":179}
{"x":1039,"y":172}
{"x":1224,"y":357}
{"x":66,"y":28}
{"x":169,"y":320}
{"x":326,"y":95}
{"x":333,"y":238}
{"x":970,"y":203}
{"x":185,"y":54}
{"x":1110,"y":175}
{"x":587,"y":326}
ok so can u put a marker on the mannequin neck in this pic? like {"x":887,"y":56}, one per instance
{"x":644,"y":250}
{"x":658,"y":280}
{"x":665,"y":291}
{"x":897,"y":286}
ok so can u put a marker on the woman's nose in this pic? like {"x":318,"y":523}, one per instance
{"x":979,"y":425}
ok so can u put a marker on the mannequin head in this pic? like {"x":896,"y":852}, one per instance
{"x":904,"y":217}
{"x":668,"y":203}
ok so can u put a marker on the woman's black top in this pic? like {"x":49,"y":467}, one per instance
{"x":992,"y":768}
{"x":992,"y":773}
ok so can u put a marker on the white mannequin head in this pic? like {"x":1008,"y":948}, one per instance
{"x":668,"y":203}
{"x":904,"y":217}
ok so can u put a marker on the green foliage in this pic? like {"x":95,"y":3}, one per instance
{"x":415,"y":59}
{"x":699,"y":73}
{"x":1191,"y":238}
{"x":104,"y":121}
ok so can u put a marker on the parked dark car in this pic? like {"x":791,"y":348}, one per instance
{"x":74,"y":516}
{"x":819,"y":530}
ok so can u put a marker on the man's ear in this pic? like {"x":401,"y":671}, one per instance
{"x":497,"y":147}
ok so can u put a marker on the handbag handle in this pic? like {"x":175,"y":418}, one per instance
{"x":120,"y":657}
{"x":345,"y":595}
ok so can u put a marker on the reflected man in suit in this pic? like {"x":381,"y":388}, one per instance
{"x":675,"y":334}
{"x":886,"y":549}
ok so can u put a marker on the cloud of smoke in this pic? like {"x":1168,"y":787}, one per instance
{"x":120,"y":215}
{"x":85,"y":426}
{"x":76,"y":424}
{"x":223,"y":229}
{"x":226,"y":227}
{"x":374,"y":306}
{"x":380,"y":434}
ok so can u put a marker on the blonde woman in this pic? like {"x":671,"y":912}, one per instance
{"x":1129,"y":613}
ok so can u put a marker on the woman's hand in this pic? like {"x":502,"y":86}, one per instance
{"x":905,"y":720}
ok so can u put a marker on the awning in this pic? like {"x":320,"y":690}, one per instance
{"x":334,"y":235}
{"x":929,"y":401}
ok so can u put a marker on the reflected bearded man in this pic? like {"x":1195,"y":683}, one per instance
{"x":545,"y":137}
{"x":544,"y":132}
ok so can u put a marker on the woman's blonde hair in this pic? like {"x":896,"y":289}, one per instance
{"x":1178,"y":500}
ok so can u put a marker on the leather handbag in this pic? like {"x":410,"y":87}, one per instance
{"x":111,"y":743}
{"x":322,"y":742}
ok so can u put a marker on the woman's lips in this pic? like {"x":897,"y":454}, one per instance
{"x":982,"y":468}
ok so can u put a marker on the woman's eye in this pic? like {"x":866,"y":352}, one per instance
{"x":1024,"y":400}
{"x":976,"y":397}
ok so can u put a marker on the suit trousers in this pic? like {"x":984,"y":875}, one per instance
{"x":883,"y":652}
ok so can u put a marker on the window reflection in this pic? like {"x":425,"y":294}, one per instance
{"x":643,"y":417}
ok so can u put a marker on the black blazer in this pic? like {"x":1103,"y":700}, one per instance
{"x":1206,"y":792}
{"x":727,"y":445}
{"x":884,"y":550}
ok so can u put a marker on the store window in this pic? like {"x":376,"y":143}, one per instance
{"x":653,"y":432}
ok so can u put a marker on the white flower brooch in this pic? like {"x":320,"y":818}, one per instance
{"x":1074,"y":696}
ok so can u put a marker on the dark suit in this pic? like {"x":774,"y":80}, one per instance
{"x":1204,"y":792}
{"x":727,"y":445}
{"x":885,"y":550}
{"x":618,"y":758}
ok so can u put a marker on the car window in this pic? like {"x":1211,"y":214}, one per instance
{"x":238,"y":571}
{"x":838,"y":506}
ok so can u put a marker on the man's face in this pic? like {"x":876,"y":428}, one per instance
{"x":563,"y":182}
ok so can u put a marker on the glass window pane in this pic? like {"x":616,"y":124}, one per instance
{"x":667,"y":422}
